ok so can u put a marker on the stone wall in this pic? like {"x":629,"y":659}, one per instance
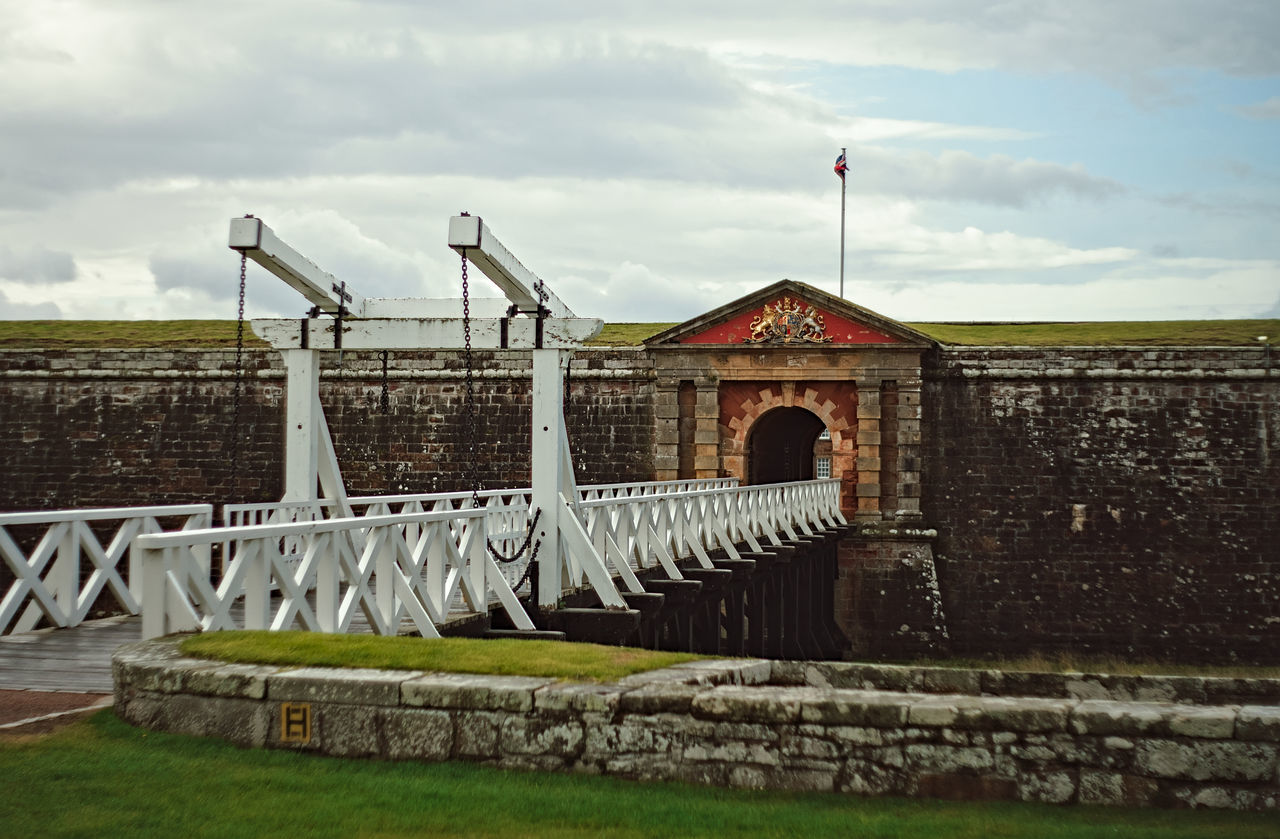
{"x":131,"y":427}
{"x":731,"y":723}
{"x":1110,"y":500}
{"x":1113,"y":501}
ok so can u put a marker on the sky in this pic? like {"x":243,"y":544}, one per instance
{"x":1020,"y":160}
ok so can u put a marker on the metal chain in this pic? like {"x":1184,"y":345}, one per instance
{"x":472,"y":433}
{"x":239,"y":378}
{"x":533,"y":525}
{"x":470,"y":405}
{"x":384,"y":403}
{"x":384,"y":407}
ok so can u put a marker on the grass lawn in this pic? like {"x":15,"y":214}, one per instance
{"x":103,"y":778}
{"x":497,"y":656}
{"x":55,"y":334}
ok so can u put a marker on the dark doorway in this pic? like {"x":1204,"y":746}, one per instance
{"x":780,"y":447}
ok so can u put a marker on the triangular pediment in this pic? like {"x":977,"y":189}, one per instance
{"x":791,"y":314}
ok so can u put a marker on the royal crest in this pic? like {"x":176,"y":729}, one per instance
{"x":785,"y":323}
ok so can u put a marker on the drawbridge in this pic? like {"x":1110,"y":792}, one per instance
{"x":706,"y":566}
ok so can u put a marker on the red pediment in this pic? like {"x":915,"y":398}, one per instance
{"x":790,"y":314}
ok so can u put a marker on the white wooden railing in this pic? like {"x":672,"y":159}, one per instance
{"x":642,"y":532}
{"x":68,"y":567}
{"x":415,"y":558}
{"x":388,"y":568}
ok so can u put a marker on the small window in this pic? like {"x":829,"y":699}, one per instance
{"x":825,"y":435}
{"x":822,"y":467}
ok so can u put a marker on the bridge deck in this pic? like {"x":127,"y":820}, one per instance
{"x":76,"y":659}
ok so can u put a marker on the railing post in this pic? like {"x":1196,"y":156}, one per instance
{"x":150,"y":562}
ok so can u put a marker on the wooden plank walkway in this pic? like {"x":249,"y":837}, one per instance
{"x":76,"y":660}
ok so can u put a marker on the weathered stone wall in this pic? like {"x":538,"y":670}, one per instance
{"x":1105,"y":500}
{"x":133,"y":427}
{"x":723,"y":723}
{"x":1115,"y":501}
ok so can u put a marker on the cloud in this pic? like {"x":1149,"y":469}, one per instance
{"x":39,"y":310}
{"x":960,"y":175}
{"x":1270,"y":109}
{"x":36,"y":265}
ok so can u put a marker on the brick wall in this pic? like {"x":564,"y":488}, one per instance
{"x":1118,"y":501}
{"x":1113,"y":500}
{"x":130,"y":427}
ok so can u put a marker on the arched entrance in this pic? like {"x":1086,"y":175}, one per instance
{"x":780,"y":446}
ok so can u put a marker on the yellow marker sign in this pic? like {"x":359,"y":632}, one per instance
{"x":295,"y":722}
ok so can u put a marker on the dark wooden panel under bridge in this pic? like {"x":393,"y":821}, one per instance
{"x":775,"y":603}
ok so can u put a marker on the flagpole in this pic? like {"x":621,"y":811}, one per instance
{"x":842,"y":177}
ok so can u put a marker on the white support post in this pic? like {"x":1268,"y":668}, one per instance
{"x":301,"y":448}
{"x":548,"y":396}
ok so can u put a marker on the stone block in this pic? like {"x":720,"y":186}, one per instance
{"x":1211,"y":722}
{"x":166,"y":675}
{"x":1048,"y":787}
{"x":577,"y":697}
{"x":751,"y":704}
{"x":559,"y":738}
{"x":1114,"y":789}
{"x":476,"y":734}
{"x":731,"y":672}
{"x":857,"y":708}
{"x":244,"y":680}
{"x":658,"y":699}
{"x":653,"y":735}
{"x":733,"y":753}
{"x":416,"y":734}
{"x":1021,"y":714}
{"x":469,"y":692}
{"x":342,"y":730}
{"x":1206,"y":760}
{"x":1104,"y":717}
{"x":929,"y":758}
{"x":1258,"y":722}
{"x":943,"y":680}
{"x":337,"y":685}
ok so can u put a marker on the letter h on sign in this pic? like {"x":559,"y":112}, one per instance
{"x":295,"y":722}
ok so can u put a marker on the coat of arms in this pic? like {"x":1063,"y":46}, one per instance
{"x":785,"y":323}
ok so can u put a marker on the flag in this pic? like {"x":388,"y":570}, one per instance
{"x":840,"y":166}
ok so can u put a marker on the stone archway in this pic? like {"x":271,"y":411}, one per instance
{"x":834,"y":404}
{"x":780,"y":446}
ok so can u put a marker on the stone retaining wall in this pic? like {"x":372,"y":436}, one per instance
{"x":725,"y":723}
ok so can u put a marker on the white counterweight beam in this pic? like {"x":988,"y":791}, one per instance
{"x":435,"y":333}
{"x":260,"y":243}
{"x":469,"y":236}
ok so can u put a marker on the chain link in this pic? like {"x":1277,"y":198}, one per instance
{"x":472,"y":433}
{"x":384,"y":402}
{"x":470,"y":407}
{"x":239,"y":378}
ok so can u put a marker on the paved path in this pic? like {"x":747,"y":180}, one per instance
{"x":77,"y":660}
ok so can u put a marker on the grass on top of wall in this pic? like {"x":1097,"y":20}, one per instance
{"x":490,"y":656}
{"x":103,"y":778}
{"x":1065,"y":662}
{"x":204,"y":334}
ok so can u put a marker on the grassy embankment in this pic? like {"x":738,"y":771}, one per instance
{"x":505,"y":657}
{"x":55,"y":334}
{"x":585,"y":662}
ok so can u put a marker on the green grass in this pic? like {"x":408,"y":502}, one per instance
{"x":142,"y":334}
{"x":103,"y":778}
{"x":1216,"y":333}
{"x":498,"y":656}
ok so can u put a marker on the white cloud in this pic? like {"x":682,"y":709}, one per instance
{"x":1269,"y":109}
{"x":19,"y":310}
